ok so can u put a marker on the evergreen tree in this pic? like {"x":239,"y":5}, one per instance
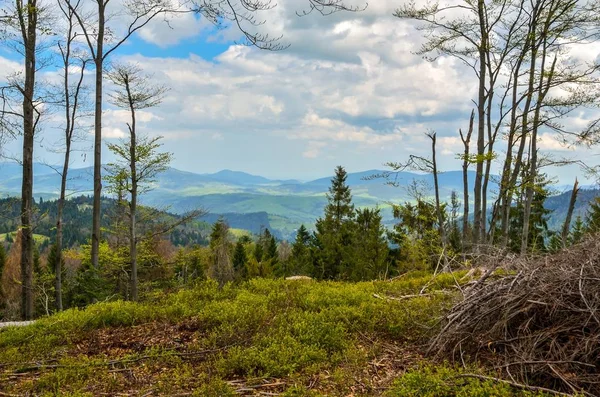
{"x":239,"y":260}
{"x":593,"y":217}
{"x":269,"y":245}
{"x":577,"y":232}
{"x":455,"y":235}
{"x":555,"y":244}
{"x":370,"y":246}
{"x":417,"y":235}
{"x":538,"y":219}
{"x":220,"y":268}
{"x":301,"y":260}
{"x":53,"y":258}
{"x":258,"y":252}
{"x":334,"y":231}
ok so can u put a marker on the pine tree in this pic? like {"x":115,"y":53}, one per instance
{"x":239,"y":260}
{"x":369,"y":246}
{"x":334,"y":231}
{"x":301,"y":261}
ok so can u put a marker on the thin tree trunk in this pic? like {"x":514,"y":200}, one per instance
{"x":543,"y":88}
{"x":465,"y":168}
{"x":518,"y":160}
{"x":28,"y":27}
{"x":477,"y":224}
{"x":99,"y":61}
{"x":133,"y":203}
{"x":438,"y":206}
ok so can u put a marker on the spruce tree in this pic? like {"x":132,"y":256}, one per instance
{"x":334,"y":230}
{"x":577,"y":232}
{"x":369,"y":246}
{"x":239,"y":260}
{"x":593,"y":217}
{"x":301,"y":261}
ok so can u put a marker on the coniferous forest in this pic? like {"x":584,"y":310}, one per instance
{"x":490,"y":290}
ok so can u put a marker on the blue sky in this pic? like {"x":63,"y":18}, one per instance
{"x":348,"y":91}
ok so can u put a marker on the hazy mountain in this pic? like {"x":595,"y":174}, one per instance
{"x":281,"y":205}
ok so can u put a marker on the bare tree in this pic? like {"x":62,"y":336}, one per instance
{"x":134,"y":92}
{"x":434,"y":170}
{"x":240,"y":13}
{"x":140,"y":13}
{"x":21,"y":22}
{"x":71,"y":97}
{"x":466,"y":140}
{"x":519,"y":53}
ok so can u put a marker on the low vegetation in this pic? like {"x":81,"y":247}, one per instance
{"x":296,"y":337}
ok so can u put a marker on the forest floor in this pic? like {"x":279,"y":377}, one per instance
{"x":264,"y":337}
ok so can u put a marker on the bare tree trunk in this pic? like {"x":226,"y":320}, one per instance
{"x":542,"y":90}
{"x":69,"y":128}
{"x":28,"y":27}
{"x":133,"y":202}
{"x":465,"y":168}
{"x":567,"y":225}
{"x":483,"y":47}
{"x":438,"y":206}
{"x":99,"y":62}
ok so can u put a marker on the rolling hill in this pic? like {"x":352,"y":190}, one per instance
{"x":244,"y":199}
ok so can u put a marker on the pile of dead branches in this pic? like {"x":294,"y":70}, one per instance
{"x":538,"y":325}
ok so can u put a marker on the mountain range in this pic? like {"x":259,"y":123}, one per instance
{"x":248,"y":201}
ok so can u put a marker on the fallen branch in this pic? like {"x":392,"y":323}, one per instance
{"x":42,"y":366}
{"x":515,"y":384}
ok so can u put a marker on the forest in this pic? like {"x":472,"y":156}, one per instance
{"x":476,"y":295}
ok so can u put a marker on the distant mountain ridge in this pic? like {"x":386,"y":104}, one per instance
{"x":281,"y":205}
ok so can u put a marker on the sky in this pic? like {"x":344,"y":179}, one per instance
{"x":349,"y":90}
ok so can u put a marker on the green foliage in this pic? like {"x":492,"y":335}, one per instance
{"x":593,"y":217}
{"x":538,"y":220}
{"x":191,"y":264}
{"x":417,"y":235}
{"x":444,"y":381}
{"x":92,"y":284}
{"x":370,"y":248}
{"x":301,"y":262}
{"x":263,"y":328}
{"x":220,"y":267}
{"x":577,"y":232}
{"x":333,"y":236}
{"x":239,"y":261}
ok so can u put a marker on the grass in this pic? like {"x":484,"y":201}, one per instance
{"x":298,"y":338}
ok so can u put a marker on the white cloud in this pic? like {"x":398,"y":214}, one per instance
{"x":349,"y":90}
{"x":313,"y":149}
